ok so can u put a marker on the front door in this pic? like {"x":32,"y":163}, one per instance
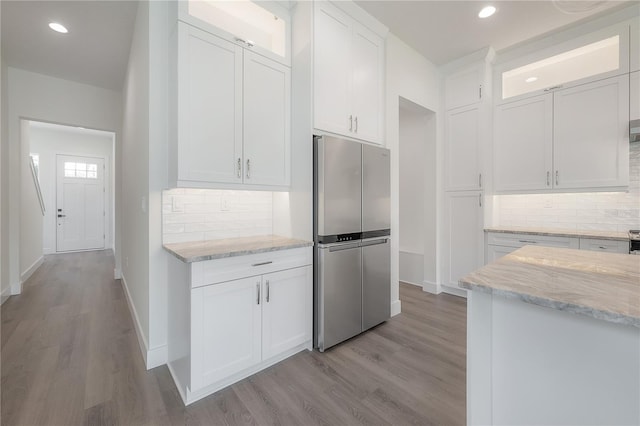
{"x":80,"y":210}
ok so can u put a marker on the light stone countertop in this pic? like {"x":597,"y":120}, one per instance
{"x":601,"y":285}
{"x":553,"y":232}
{"x":217,"y":249}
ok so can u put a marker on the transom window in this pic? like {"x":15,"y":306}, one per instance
{"x":80,"y":170}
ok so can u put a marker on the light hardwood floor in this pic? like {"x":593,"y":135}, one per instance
{"x":70,"y":356}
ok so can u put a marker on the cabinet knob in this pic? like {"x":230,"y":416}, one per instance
{"x":258,"y":293}
{"x":267,"y":291}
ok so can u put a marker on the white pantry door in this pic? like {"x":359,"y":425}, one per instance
{"x":80,"y":207}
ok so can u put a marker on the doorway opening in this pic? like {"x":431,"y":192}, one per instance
{"x":74,"y":167}
{"x":417,"y":198}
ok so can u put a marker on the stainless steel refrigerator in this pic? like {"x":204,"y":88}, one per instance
{"x":352,"y":280}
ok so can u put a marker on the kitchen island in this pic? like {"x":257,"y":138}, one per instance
{"x":553,"y":337}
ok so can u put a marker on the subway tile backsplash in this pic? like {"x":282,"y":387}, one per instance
{"x":209,"y":214}
{"x":604,"y":211}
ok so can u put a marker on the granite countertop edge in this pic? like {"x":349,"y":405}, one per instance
{"x":291,"y":244}
{"x":555,"y":304}
{"x":600,"y":235}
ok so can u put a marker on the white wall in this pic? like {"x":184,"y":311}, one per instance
{"x":43,"y":98}
{"x":410,"y":76}
{"x":47,"y":142}
{"x":5,"y":287}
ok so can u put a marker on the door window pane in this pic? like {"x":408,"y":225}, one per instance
{"x":80,"y":170}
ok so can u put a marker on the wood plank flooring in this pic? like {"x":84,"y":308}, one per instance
{"x":70,"y":357}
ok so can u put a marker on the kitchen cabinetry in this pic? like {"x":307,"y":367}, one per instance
{"x":348,"y":76}
{"x":634,"y":93}
{"x":464,"y":88}
{"x":500,"y":244}
{"x":462,"y":151}
{"x":233,"y":115}
{"x":231,"y":317}
{"x":568,"y":139}
{"x":464,"y":238}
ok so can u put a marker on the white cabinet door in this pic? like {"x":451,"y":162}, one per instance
{"x":591,"y":124}
{"x":462,"y":151}
{"x":225,"y":330}
{"x":332,"y":70}
{"x":209,"y":107}
{"x":267,"y":112}
{"x":464,"y":235}
{"x":287,"y":310}
{"x":496,"y":252}
{"x":634,"y":93}
{"x":464,"y":88}
{"x":367,"y":82}
{"x":523,"y":144}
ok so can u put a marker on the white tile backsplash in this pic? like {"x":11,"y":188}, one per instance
{"x":597,"y":211}
{"x":209,"y":214}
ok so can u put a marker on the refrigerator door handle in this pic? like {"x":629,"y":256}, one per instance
{"x":344,"y":247}
{"x":374,"y":242}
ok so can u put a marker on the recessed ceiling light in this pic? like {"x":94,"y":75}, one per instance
{"x":487,"y":11}
{"x":58,"y":27}
{"x":531,"y":79}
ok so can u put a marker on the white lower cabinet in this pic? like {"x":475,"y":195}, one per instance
{"x":239,"y":326}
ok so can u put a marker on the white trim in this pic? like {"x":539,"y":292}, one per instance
{"x":117,"y":274}
{"x":4,"y":295}
{"x":454,"y":291}
{"x":16,"y":288}
{"x":396,"y":307}
{"x":431,"y":287}
{"x":154,"y":357}
{"x":30,"y":270}
{"x":178,"y":384}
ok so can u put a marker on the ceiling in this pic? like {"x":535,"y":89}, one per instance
{"x":446,"y":30}
{"x":96,"y":50}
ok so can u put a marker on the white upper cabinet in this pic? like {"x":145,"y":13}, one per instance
{"x":575,"y":138}
{"x":348,"y":75}
{"x":591,"y":140}
{"x":209,"y":108}
{"x":463,"y":149}
{"x":595,"y":56}
{"x":634,"y":46}
{"x":464,"y":88}
{"x":523,"y":144}
{"x":233,"y":115}
{"x":262,"y":26}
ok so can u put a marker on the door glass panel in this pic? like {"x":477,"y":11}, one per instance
{"x":586,"y":61}
{"x":244,"y":19}
{"x":80,"y":170}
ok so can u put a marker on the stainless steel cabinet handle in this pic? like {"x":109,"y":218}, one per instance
{"x":248,"y":43}
{"x":480,"y":180}
{"x":602,"y":248}
{"x":248,"y":169}
{"x":548,"y":175}
{"x":480,"y":199}
{"x":548,"y":89}
{"x":239,"y":167}
{"x":258,"y":292}
{"x":62,"y":215}
{"x":557,"y":180}
{"x":351,"y":123}
{"x":267,"y":291}
{"x":356,"y":129}
{"x":262,"y":263}
{"x":528,"y":241}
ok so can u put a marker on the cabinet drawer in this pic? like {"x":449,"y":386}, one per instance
{"x":521,"y":240}
{"x":611,"y":246}
{"x":231,"y":268}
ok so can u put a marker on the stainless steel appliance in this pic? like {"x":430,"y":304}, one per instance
{"x":634,"y":241}
{"x":351,"y":234}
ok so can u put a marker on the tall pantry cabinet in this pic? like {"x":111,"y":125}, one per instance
{"x":467,"y":107}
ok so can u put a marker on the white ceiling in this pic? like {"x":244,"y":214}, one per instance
{"x":95,"y":51}
{"x":446,"y":30}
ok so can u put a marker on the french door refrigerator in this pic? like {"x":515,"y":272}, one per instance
{"x":352,"y":279}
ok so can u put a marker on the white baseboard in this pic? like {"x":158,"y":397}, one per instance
{"x":117,"y":274}
{"x":31,"y":269}
{"x":430,"y":287}
{"x":16,"y":288}
{"x":454,"y":291}
{"x":410,"y":283}
{"x":154,"y":357}
{"x":396,"y":307}
{"x":4,"y":295}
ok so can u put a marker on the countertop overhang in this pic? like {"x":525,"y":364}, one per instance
{"x":217,"y":249}
{"x":553,"y":232}
{"x":601,"y":285}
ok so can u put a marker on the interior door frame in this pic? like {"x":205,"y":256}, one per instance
{"x":108,"y":200}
